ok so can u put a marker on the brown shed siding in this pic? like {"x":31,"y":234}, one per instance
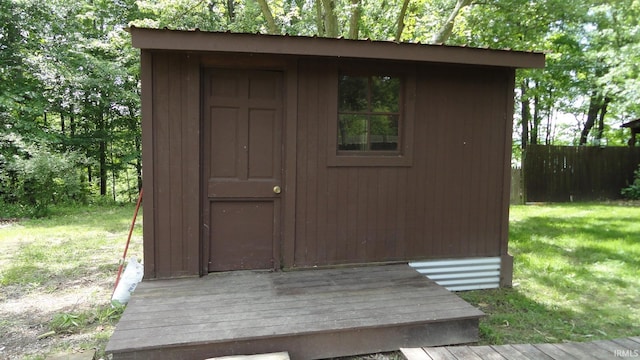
{"x":447,"y":204}
{"x":447,"y":197}
{"x":172,"y":144}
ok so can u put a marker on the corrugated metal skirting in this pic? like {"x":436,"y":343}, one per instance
{"x":462,"y":274}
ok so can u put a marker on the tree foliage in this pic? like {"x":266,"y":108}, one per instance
{"x":69,"y":78}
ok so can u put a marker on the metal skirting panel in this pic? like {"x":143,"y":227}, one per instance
{"x":462,"y":274}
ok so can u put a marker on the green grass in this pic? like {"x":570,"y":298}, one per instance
{"x":76,"y":242}
{"x":576,"y":276}
{"x":70,"y":259}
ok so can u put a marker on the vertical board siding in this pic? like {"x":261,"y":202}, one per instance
{"x":175,"y":179}
{"x":146,"y":76}
{"x":570,"y":173}
{"x":447,"y":204}
{"x":191,"y":164}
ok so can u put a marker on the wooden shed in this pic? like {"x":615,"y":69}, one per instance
{"x":635,"y":129}
{"x":283,"y":152}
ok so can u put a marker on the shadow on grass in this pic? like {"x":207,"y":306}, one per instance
{"x":515,"y":318}
{"x":107,"y":218}
{"x":577,"y":271}
{"x":598,"y":228}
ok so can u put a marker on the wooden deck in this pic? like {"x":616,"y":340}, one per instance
{"x":312,"y":314}
{"x":594,"y":350}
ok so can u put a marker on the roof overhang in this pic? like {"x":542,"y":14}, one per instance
{"x":635,"y":124}
{"x":226,"y":42}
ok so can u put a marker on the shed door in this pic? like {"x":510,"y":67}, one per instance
{"x":242,"y":168}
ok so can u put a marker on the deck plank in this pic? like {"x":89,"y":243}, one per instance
{"x":627,"y":344}
{"x":554,"y":351}
{"x":265,"y":310}
{"x":415,"y":354}
{"x":576,"y":350}
{"x":486,"y":353}
{"x":531,"y":352}
{"x":509,"y":352}
{"x":464,"y":352}
{"x":440,"y":353}
{"x":594,"y":350}
{"x":607,"y":345}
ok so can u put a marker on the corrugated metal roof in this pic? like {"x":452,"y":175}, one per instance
{"x":227,"y":42}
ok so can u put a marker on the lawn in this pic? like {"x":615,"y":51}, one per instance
{"x":57,"y":274}
{"x":577,"y":277}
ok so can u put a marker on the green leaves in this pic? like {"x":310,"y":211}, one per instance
{"x":69,"y":78}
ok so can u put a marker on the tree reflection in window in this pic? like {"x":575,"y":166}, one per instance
{"x":368,"y":113}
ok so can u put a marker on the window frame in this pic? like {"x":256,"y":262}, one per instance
{"x":403,"y":156}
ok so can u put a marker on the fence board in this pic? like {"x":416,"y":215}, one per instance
{"x":517,"y":189}
{"x":584,"y":173}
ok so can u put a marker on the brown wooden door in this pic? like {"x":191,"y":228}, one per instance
{"x":242,"y":168}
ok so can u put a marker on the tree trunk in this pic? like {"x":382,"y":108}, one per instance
{"x":525,"y":114}
{"x":549,"y":130}
{"x":72,"y":126}
{"x":536,"y":119}
{"x":268,"y":16}
{"x":102,"y":154}
{"x":445,"y":31}
{"x":113,"y":172}
{"x":354,"y":20}
{"x":319,"y":19}
{"x":603,"y":112}
{"x":549,"y":136}
{"x":595,"y":102}
{"x":231,"y":10}
{"x":401,"y":16}
{"x":330,"y":19}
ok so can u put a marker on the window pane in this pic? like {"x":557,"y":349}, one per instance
{"x":352,"y":93}
{"x":385,"y":93}
{"x":352,"y":132}
{"x":384,"y":132}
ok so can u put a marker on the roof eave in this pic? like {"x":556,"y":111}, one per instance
{"x":155,"y":39}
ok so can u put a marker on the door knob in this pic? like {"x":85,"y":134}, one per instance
{"x":277,"y":189}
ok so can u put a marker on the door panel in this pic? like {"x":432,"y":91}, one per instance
{"x":243,"y":165}
{"x":235,"y":244}
{"x":262,"y":145}
{"x":224,"y":146}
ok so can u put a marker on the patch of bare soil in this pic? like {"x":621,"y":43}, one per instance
{"x":25,"y":315}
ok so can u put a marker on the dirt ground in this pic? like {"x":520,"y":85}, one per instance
{"x":25,"y":315}
{"x":26,"y":311}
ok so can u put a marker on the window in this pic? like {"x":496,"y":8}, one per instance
{"x":369,"y":114}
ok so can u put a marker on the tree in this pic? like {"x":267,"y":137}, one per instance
{"x":69,"y":78}
{"x":442,"y":35}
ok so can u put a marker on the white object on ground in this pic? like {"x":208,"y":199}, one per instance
{"x":131,"y":276}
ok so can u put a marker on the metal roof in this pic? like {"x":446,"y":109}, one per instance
{"x":634,"y":124}
{"x":227,"y":42}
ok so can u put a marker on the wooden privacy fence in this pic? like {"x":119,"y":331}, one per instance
{"x":517,"y":190}
{"x":584,"y":173}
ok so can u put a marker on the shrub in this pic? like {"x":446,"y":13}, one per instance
{"x":633,"y":191}
{"x":36,"y":178}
